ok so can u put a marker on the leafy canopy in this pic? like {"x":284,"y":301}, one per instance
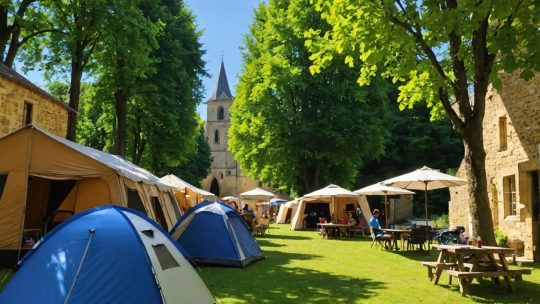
{"x":293,"y":129}
{"x":423,"y":45}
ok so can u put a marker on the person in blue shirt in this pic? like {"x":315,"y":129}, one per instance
{"x":376,"y":226}
{"x":374,"y":221}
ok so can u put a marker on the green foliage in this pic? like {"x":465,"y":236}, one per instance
{"x":501,"y":238}
{"x":294,"y":129}
{"x":197,"y":164}
{"x":415,"y":141}
{"x":441,"y":221}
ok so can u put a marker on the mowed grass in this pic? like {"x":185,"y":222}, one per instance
{"x":300,"y":267}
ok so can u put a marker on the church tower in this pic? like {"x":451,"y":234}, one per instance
{"x":225,"y":178}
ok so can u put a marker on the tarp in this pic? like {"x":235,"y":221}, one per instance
{"x":186,"y":194}
{"x":214,"y":233}
{"x":106,"y":255}
{"x":48,"y":178}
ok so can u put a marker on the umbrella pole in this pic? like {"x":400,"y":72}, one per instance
{"x":385,"y":211}
{"x":425,"y":209}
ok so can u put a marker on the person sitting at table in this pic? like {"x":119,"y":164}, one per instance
{"x":351,"y":220}
{"x":376,"y":227}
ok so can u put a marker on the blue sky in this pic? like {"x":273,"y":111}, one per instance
{"x":224,"y":24}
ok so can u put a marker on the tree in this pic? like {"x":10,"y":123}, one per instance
{"x":410,"y":145}
{"x":20,"y":21}
{"x":162,"y":118}
{"x":70,"y":47}
{"x":197,"y":164}
{"x":293,"y":129}
{"x":125,"y":64}
{"x":446,"y":53}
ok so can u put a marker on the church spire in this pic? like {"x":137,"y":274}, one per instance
{"x":221,"y":91}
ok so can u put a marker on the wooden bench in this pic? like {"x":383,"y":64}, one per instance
{"x":465,"y":277}
{"x":436,"y":265}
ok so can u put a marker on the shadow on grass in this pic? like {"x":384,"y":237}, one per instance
{"x":271,"y":236}
{"x":286,"y":284}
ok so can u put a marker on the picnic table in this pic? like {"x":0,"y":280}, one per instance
{"x":466,"y":262}
{"x":328,"y":230}
{"x":402,"y":233}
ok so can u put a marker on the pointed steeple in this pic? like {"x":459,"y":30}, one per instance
{"x":221,"y":91}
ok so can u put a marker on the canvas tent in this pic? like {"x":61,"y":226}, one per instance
{"x":107,"y":254}
{"x":186,"y":194}
{"x":214,"y":233}
{"x":45,"y":179}
{"x":333,"y":202}
{"x":286,"y":211}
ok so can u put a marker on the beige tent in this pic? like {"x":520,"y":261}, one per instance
{"x":186,"y":194}
{"x":332,"y":198}
{"x":286,"y":211}
{"x":45,"y":179}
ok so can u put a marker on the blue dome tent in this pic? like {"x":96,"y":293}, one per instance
{"x":213,"y":233}
{"x":106,"y":255}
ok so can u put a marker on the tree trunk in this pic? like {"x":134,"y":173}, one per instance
{"x":120,"y":105}
{"x":75,"y":90}
{"x":475,"y":169}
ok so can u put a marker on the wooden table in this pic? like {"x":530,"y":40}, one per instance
{"x":328,"y":230}
{"x":469,"y":262}
{"x":403,"y":233}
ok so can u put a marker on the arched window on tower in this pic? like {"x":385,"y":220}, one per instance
{"x":216,"y":136}
{"x":220,"y":113}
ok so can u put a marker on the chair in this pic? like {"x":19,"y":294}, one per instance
{"x":248,"y":218}
{"x":417,"y":237}
{"x":260,"y":226}
{"x":378,"y":238}
{"x":359,"y":228}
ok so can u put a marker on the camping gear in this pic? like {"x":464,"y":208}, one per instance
{"x":46,"y":179}
{"x":107,"y":254}
{"x":214,"y":233}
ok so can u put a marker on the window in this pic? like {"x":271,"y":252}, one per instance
{"x":510,"y":197}
{"x":158,"y":211}
{"x":216,"y":136}
{"x":27,"y":113}
{"x":220,"y":114}
{"x":503,"y":136}
{"x":165,"y":258}
{"x":134,"y":200}
{"x":174,"y":205}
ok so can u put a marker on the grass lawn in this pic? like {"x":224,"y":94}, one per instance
{"x":303,"y":268}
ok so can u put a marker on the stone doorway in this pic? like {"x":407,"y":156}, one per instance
{"x":214,"y":187}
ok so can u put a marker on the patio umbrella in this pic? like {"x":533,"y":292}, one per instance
{"x":257,"y":194}
{"x":382,"y":189}
{"x":277,"y":201}
{"x":231,"y":198}
{"x":425,"y":179}
{"x":330,"y":192}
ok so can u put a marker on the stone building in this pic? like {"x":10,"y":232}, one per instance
{"x":512,"y":144}
{"x":225,"y":178}
{"x":22,"y":103}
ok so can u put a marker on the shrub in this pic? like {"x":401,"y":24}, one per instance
{"x":501,"y":238}
{"x":441,"y":221}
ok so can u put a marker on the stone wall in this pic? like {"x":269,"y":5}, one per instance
{"x":46,"y":112}
{"x":517,"y":103}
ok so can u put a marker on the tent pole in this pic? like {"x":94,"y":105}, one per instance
{"x":28,"y":162}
